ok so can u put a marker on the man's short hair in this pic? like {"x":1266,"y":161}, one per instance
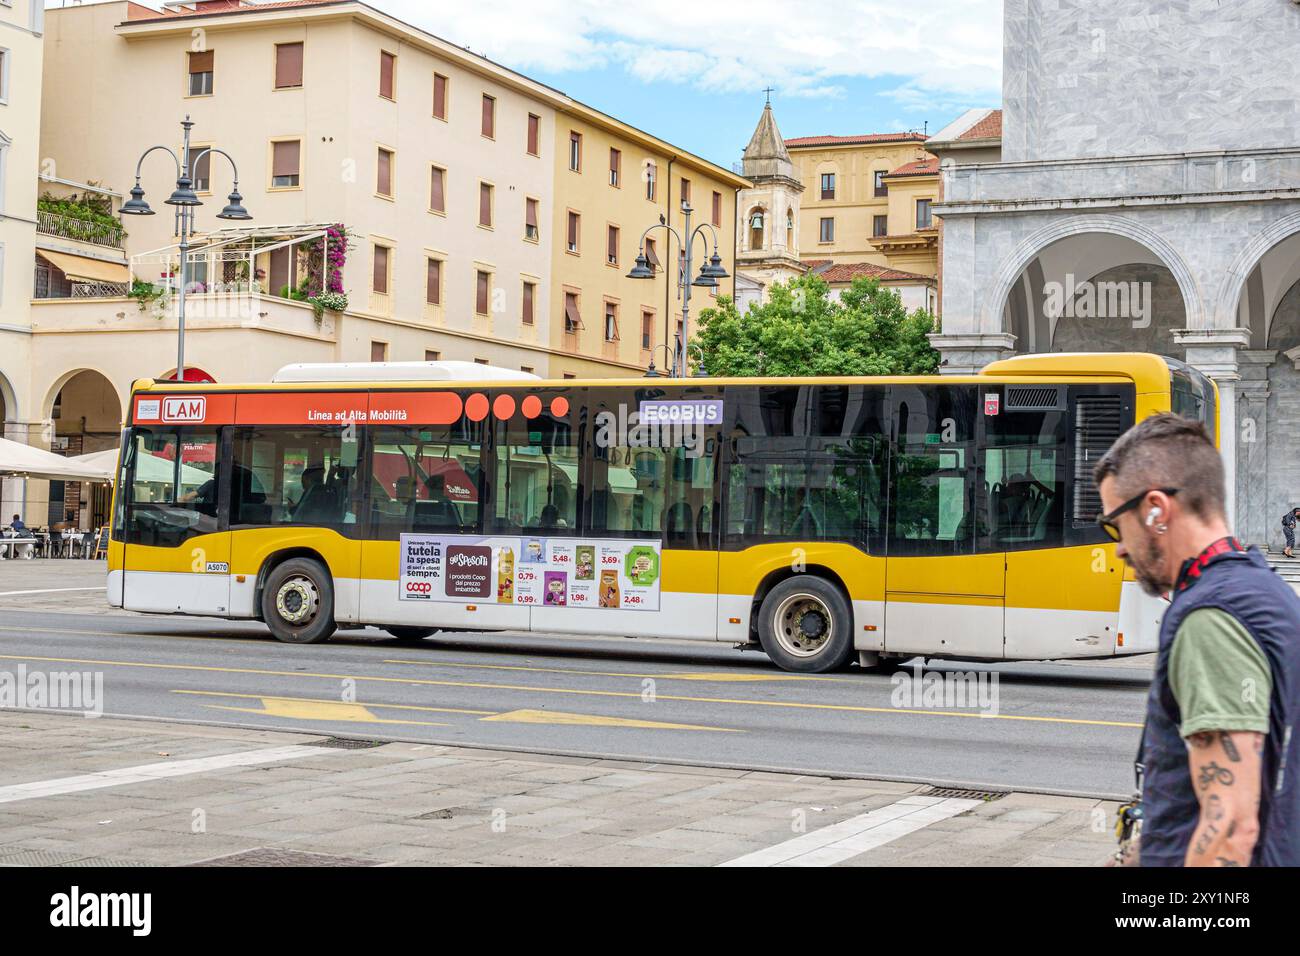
{"x":1167,"y":451}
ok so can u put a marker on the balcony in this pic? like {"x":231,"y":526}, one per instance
{"x":106,"y":234}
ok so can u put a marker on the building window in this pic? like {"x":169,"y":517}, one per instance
{"x":432,"y":355}
{"x":288,"y":66}
{"x":379,"y":275}
{"x":686,"y":191}
{"x":615,"y":167}
{"x":286,"y":155}
{"x":433,"y":281}
{"x":482,"y":291}
{"x":481,"y":361}
{"x":384,"y":176}
{"x":881,"y":187}
{"x":923,"y":217}
{"x":4,"y":75}
{"x":828,"y":185}
{"x":652,"y":254}
{"x":379,"y":351}
{"x":526,"y":368}
{"x":574,"y":230}
{"x":572,"y":317}
{"x":202,"y":172}
{"x":531,"y":232}
{"x":201,"y":71}
{"x":611,"y":322}
{"x":387,"y":73}
{"x":529,"y":315}
{"x":437,"y":189}
{"x":647,"y":330}
{"x":485,"y":205}
{"x":827,"y":230}
{"x":717,"y":209}
{"x":439,"y":96}
{"x":611,"y":245}
{"x":789,"y":228}
{"x":488,"y":126}
{"x":575,"y":151}
{"x":651,"y":181}
{"x":534,"y":134}
{"x":879,"y":226}
{"x":569,"y":375}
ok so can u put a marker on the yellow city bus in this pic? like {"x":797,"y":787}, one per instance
{"x":821,"y":519}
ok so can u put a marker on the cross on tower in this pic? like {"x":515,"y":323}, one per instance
{"x":767,"y":91}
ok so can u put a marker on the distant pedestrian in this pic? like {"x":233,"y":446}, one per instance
{"x":1288,"y":530}
{"x":1223,"y":707}
{"x":17,"y":524}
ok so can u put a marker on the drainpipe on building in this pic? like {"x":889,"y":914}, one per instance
{"x":668,"y":255}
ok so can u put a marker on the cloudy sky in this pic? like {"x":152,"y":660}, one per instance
{"x":693,"y":72}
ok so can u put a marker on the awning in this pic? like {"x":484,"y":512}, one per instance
{"x":24,"y":461}
{"x":85,"y":269}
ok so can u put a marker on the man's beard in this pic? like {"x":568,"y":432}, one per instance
{"x":1146,"y":570}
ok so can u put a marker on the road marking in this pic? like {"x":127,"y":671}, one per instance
{"x":595,"y":720}
{"x":48,"y":591}
{"x":331,"y":710}
{"x":849,"y":838}
{"x":319,"y":700}
{"x":424,"y":682}
{"x":711,"y":676}
{"x":155,"y":771}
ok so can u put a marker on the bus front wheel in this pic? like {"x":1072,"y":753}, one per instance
{"x":806,"y":624}
{"x":298,"y":602}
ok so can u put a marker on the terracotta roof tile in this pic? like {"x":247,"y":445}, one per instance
{"x":137,"y":14}
{"x":862,"y":139}
{"x":920,"y":167}
{"x":848,"y":271}
{"x":990,"y":127}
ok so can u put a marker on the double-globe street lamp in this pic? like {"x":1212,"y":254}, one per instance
{"x":710,"y":272}
{"x":186,"y":202}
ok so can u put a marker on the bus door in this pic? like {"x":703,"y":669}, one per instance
{"x":177,"y":552}
{"x":944,"y":585}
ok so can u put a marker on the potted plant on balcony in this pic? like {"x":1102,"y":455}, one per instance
{"x":325,"y":261}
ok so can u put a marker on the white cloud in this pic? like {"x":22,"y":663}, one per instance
{"x":939,"y":48}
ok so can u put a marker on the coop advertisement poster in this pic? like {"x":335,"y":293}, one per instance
{"x":532,"y":571}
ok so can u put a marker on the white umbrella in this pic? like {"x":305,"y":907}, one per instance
{"x":147,"y":467}
{"x":25,"y":461}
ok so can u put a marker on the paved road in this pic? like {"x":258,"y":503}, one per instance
{"x":1059,"y":727}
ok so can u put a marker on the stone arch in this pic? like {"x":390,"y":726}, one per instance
{"x":1246,"y":261}
{"x":52,"y":393}
{"x":9,"y":408}
{"x":760,"y":232}
{"x":1029,"y":249}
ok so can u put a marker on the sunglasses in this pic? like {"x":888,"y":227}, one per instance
{"x":1107,"y":522}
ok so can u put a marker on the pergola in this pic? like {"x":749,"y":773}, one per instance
{"x":228,"y":252}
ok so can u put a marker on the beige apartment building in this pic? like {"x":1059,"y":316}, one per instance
{"x":449,"y":172}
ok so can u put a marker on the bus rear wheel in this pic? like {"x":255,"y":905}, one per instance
{"x":805,"y":625}
{"x":298,"y":602}
{"x":407,"y":633}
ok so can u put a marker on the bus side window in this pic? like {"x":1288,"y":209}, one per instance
{"x":536,"y":481}
{"x":425,"y":479}
{"x":300,"y":476}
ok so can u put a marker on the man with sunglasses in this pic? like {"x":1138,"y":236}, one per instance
{"x":1225,"y":698}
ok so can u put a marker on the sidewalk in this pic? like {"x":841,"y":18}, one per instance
{"x":79,"y":791}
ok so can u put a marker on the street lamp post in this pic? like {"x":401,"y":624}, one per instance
{"x":710,"y":272}
{"x":186,"y":202}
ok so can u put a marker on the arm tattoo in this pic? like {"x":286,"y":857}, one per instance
{"x":1213,"y":773}
{"x":1229,"y":747}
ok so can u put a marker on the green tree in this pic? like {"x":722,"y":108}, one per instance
{"x":800,"y":330}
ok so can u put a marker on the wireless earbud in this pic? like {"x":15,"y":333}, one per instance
{"x":1152,"y":515}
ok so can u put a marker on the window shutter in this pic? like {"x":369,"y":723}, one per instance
{"x":530,"y":213}
{"x":481,"y":298}
{"x":573,"y":320}
{"x":433,"y":282}
{"x":436,"y":185}
{"x":385,"y":178}
{"x":484,"y":204}
{"x":288,"y":65}
{"x":534,"y":134}
{"x":439,"y":96}
{"x":489,"y":116}
{"x":573,"y":230}
{"x":717,"y":209}
{"x":529,"y":289}
{"x":201,"y":62}
{"x":386,"y":63}
{"x":285,"y":160}
{"x":612,"y":250}
{"x":380,"y":279}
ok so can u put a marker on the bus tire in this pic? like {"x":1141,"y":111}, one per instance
{"x":298,"y":602}
{"x":805,"y":624}
{"x":408,"y":633}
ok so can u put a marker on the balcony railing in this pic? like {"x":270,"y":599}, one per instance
{"x":80,"y":230}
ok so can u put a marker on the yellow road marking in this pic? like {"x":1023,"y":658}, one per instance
{"x":711,"y":676}
{"x":594,"y":720}
{"x":319,"y":700}
{"x":331,"y":710}
{"x":796,"y":705}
